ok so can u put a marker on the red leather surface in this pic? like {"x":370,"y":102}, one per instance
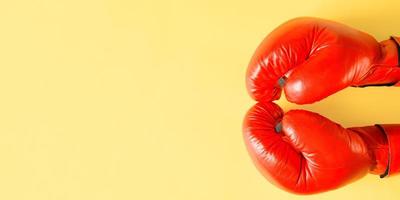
{"x":318,"y":58}
{"x":393,"y":136}
{"x":311,"y":154}
{"x":377,"y":145}
{"x":310,"y":59}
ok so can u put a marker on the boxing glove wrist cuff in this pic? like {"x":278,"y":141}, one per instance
{"x":392,"y":133}
{"x":386,"y":70}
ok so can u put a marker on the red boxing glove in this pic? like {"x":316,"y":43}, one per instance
{"x":313,"y":58}
{"x":303,"y":152}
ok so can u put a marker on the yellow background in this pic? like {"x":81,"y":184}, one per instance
{"x":137,"y":100}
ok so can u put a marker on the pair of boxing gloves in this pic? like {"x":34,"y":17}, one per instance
{"x":310,"y":59}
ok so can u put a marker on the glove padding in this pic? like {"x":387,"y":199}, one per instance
{"x":312,"y":58}
{"x":304,"y":152}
